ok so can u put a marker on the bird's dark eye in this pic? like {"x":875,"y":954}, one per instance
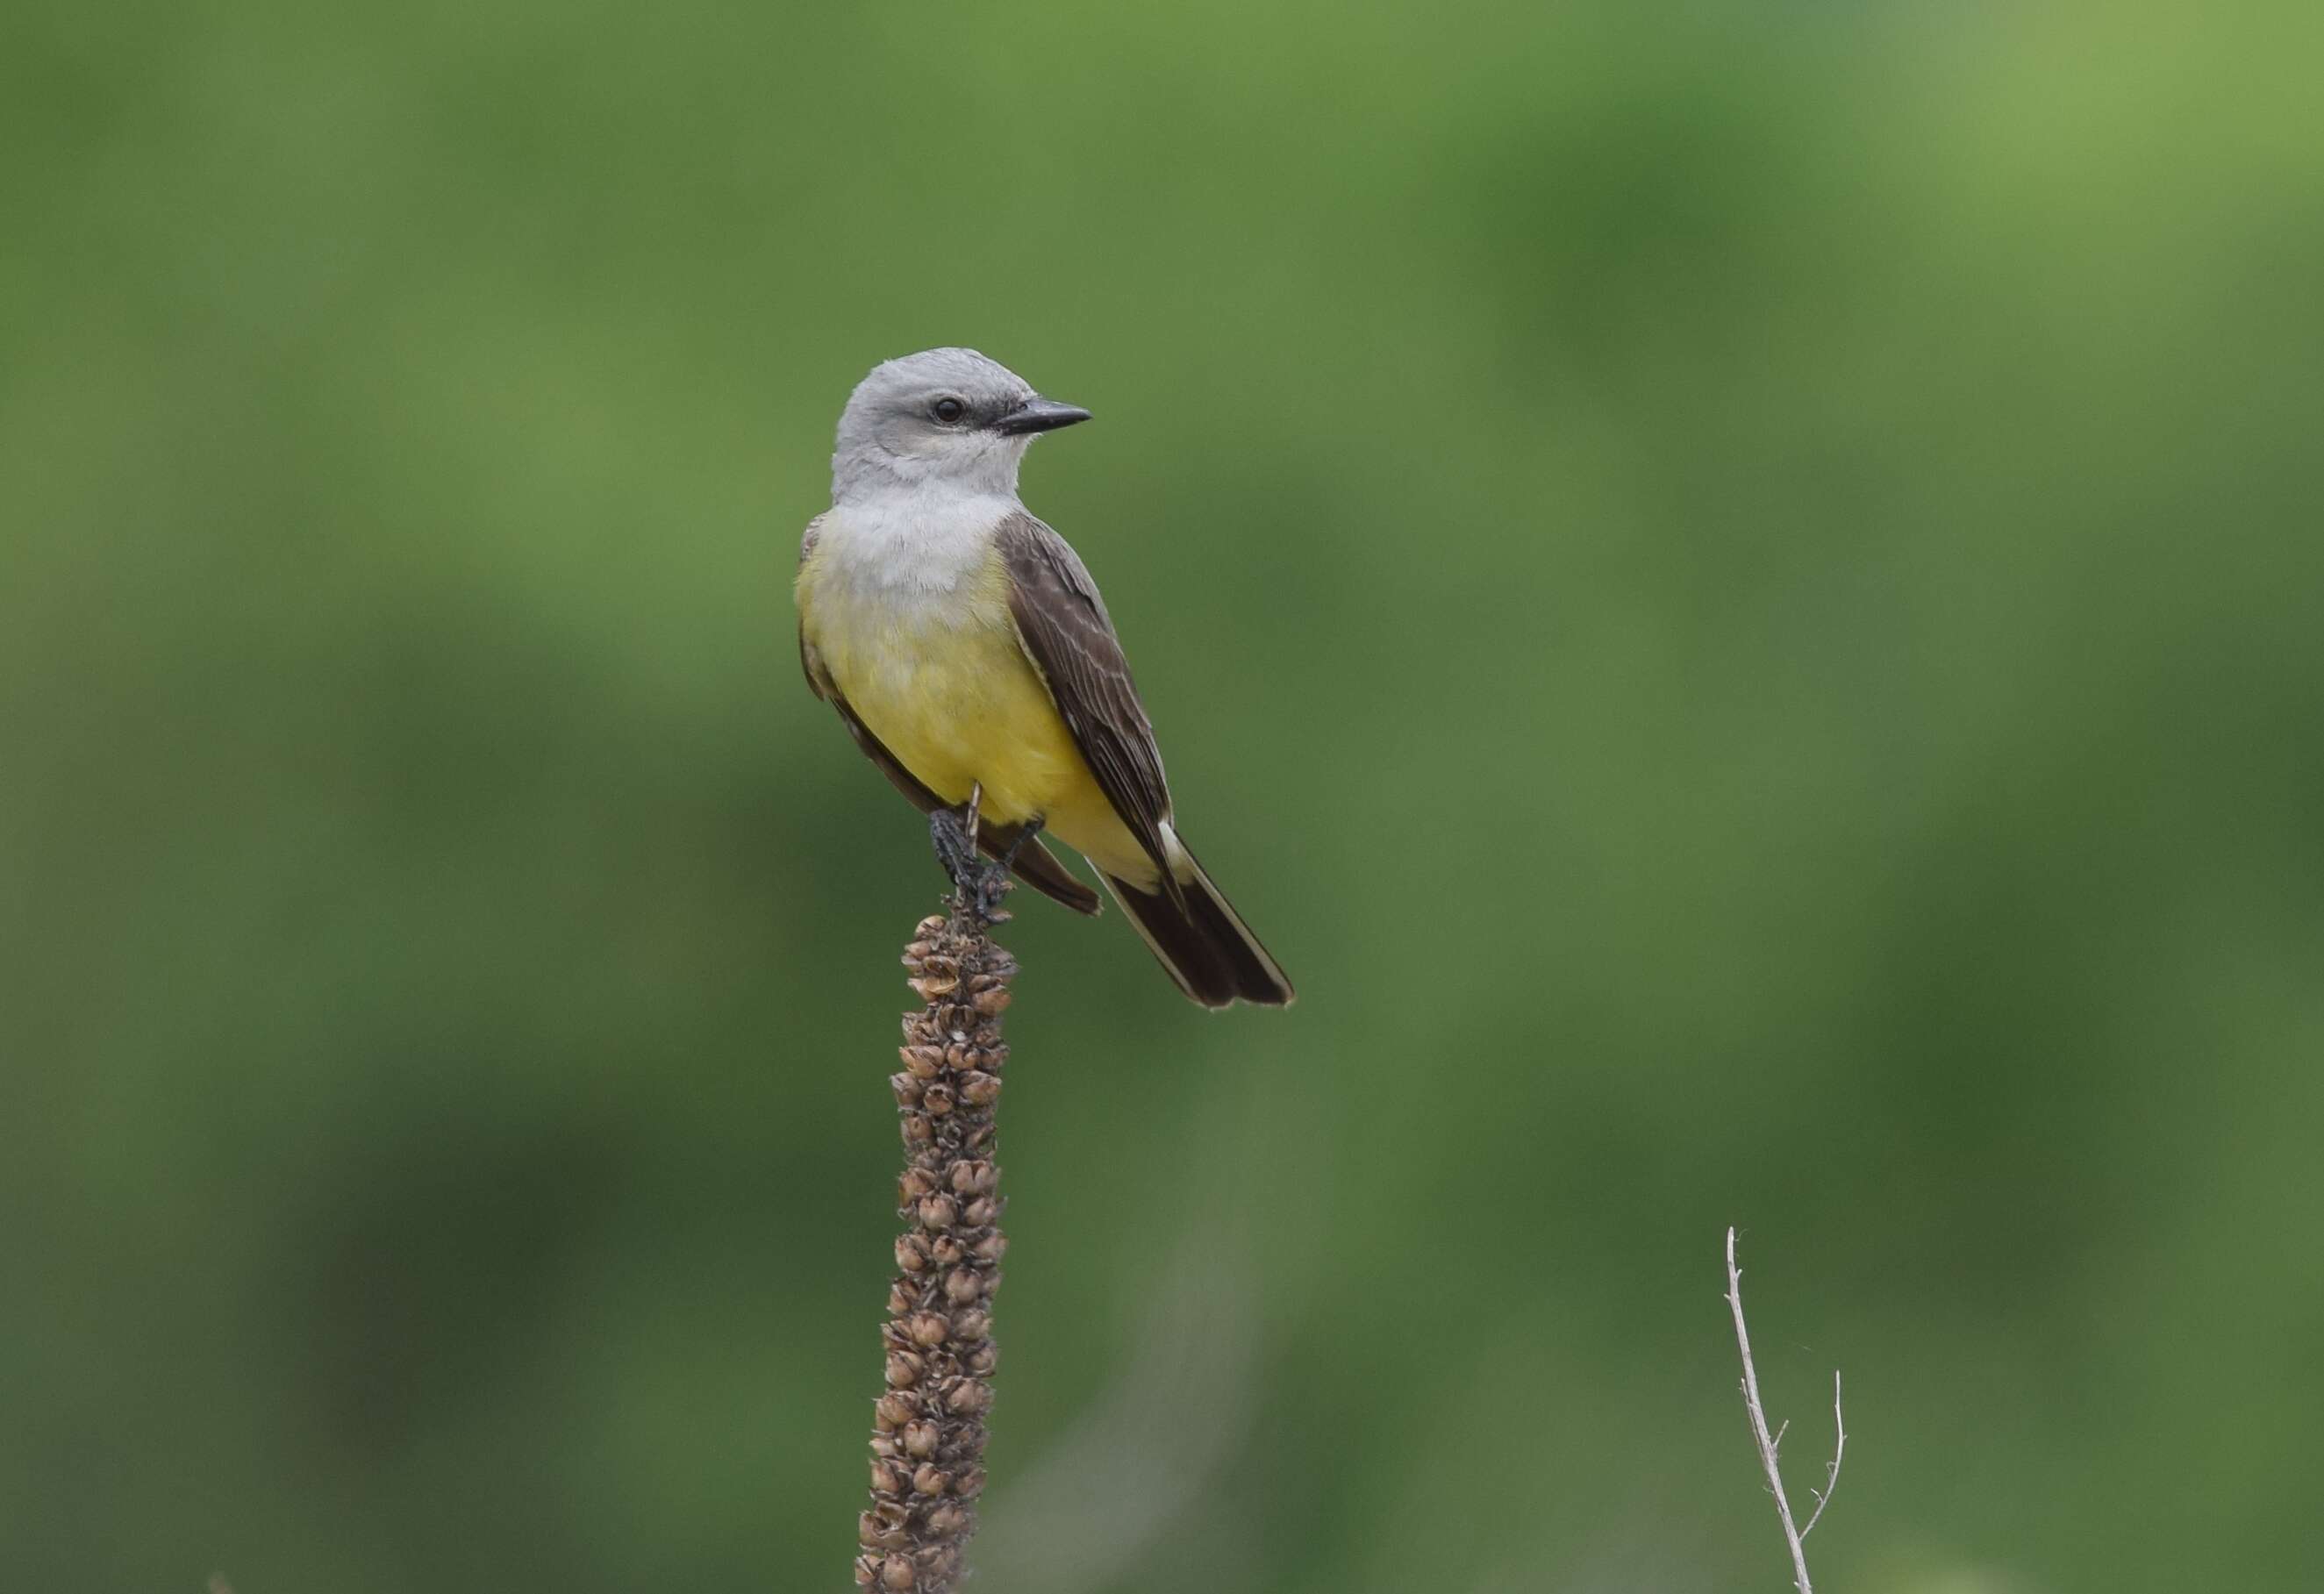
{"x":948,"y":410}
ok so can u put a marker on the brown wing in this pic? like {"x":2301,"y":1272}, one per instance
{"x":1067,"y":632}
{"x":1036,"y":866}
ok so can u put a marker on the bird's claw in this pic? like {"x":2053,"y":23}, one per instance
{"x":978,"y":884}
{"x":954,"y":850}
{"x":992,"y":884}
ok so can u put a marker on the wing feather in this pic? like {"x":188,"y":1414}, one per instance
{"x":1066,"y":632}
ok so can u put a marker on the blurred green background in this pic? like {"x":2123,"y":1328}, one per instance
{"x":1735,"y":590}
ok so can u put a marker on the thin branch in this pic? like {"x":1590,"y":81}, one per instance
{"x":1831,"y":1473}
{"x":1794,"y":1535}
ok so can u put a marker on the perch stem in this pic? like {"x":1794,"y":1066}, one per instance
{"x":929,"y":1427}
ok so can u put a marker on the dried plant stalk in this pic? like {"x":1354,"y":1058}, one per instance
{"x":927,"y":1440}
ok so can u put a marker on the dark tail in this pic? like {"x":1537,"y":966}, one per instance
{"x":1207,"y":949}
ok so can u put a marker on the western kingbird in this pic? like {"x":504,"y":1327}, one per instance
{"x":967,"y":650}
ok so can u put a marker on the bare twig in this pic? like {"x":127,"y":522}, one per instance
{"x":1831,"y":1473}
{"x":1794,"y":1535}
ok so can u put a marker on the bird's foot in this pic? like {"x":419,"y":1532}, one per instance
{"x":956,"y":845}
{"x":992,"y":883}
{"x":978,"y":883}
{"x":994,"y":877}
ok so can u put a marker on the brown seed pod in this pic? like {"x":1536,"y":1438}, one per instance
{"x":969,"y":1397}
{"x":892,"y":1410}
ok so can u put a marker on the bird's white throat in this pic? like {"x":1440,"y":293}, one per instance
{"x":924,"y":538}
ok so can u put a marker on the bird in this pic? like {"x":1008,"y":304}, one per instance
{"x":968,"y":653}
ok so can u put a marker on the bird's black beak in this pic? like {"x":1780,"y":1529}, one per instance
{"x":1039,"y":415}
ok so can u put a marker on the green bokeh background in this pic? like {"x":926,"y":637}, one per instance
{"x":1737,"y":590}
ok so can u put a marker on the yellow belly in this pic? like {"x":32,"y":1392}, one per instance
{"x":947,"y":687}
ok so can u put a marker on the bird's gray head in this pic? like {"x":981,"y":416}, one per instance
{"x":942,"y":417}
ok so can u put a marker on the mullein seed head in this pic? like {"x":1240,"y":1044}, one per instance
{"x":928,"y":1428}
